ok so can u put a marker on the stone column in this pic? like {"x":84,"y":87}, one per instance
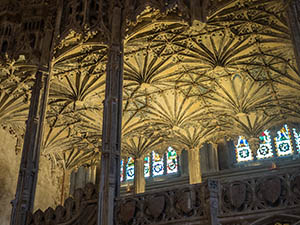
{"x":204,"y":158}
{"x":139,"y":178}
{"x":273,"y":134}
{"x":226,"y":153}
{"x":109,"y":187}
{"x":212,"y":202}
{"x":29,"y":167}
{"x":92,"y":174}
{"x":80,"y":177}
{"x":184,"y":164}
{"x":194,"y":166}
{"x":294,"y":23}
{"x":214,"y":157}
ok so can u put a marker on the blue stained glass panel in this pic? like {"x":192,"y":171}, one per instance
{"x":122,"y":171}
{"x":243,"y":152}
{"x":172,"y":163}
{"x":147,"y":166}
{"x":130,"y":169}
{"x":265,"y":146}
{"x":157,"y":164}
{"x":283,"y":142}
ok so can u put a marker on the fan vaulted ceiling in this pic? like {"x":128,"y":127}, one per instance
{"x":183,"y":85}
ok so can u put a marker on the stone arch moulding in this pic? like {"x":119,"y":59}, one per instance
{"x":281,"y":218}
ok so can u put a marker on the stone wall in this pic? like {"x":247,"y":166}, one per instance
{"x":48,"y":182}
{"x":8,"y":174}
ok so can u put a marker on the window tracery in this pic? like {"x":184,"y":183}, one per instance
{"x":172,"y":161}
{"x":147,"y":166}
{"x":243,"y":152}
{"x":130,"y":169}
{"x":282,"y":142}
{"x":265,"y":147}
{"x":154,"y":165}
{"x":158,"y":164}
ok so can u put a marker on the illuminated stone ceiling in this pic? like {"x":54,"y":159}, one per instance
{"x":183,"y":85}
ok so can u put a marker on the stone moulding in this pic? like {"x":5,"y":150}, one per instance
{"x":272,"y":193}
{"x":167,"y":206}
{"x":80,"y":209}
{"x":171,"y":205}
{"x":270,"y":197}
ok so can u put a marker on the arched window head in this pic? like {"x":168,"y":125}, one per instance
{"x":283,"y":142}
{"x":130,"y":169}
{"x":265,"y":147}
{"x":158,"y":164}
{"x":122,"y":171}
{"x":172,"y":161}
{"x":147,"y":166}
{"x":243,"y":152}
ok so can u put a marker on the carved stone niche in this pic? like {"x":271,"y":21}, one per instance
{"x":155,"y":206}
{"x":235,"y":196}
{"x":185,"y":202}
{"x":9,"y":22}
{"x":271,"y":190}
{"x":35,"y":35}
{"x":295,"y":185}
{"x":125,"y":211}
{"x":80,"y":14}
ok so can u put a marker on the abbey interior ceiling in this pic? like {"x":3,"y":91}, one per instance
{"x":233,"y":73}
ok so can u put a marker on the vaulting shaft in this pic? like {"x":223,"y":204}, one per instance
{"x":112,"y":120}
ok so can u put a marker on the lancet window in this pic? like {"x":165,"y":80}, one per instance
{"x":265,"y":147}
{"x":154,"y":165}
{"x":279,"y":145}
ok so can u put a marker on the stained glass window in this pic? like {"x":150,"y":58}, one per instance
{"x":147,"y":166}
{"x":297,"y":139}
{"x":283,"y":142}
{"x":243,"y":152}
{"x":130,"y":169}
{"x":265,"y":146}
{"x":283,"y":145}
{"x":122,"y":171}
{"x":158,"y":164}
{"x":172,"y":163}
{"x":154,"y":165}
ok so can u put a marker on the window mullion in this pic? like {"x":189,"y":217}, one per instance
{"x":151,"y":164}
{"x":165,"y":163}
{"x":294,"y":144}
